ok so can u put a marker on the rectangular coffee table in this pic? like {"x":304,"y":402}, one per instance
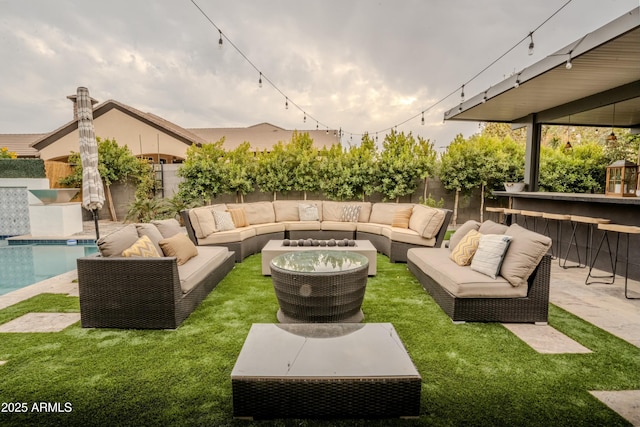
{"x":321,"y":370}
{"x":275,"y":247}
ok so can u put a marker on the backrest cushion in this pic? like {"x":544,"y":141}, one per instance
{"x":464,"y":251}
{"x":490,"y":227}
{"x":142,"y":248}
{"x":113,"y":244}
{"x":202,"y":222}
{"x":168,"y":227}
{"x":461,"y":232}
{"x":179,"y":246}
{"x":490,"y":254}
{"x":152,"y":232}
{"x":401,"y":217}
{"x":256,"y":212}
{"x":525,"y":252}
{"x":426,"y":221}
{"x":382,"y":213}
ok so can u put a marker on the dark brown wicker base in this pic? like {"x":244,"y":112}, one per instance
{"x":268,"y":398}
{"x":534,"y":308}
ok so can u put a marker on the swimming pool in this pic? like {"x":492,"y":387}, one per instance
{"x":23,"y":265}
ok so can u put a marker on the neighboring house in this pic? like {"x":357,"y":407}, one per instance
{"x":149,"y":136}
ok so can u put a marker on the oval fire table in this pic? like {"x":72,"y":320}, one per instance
{"x":319,"y":286}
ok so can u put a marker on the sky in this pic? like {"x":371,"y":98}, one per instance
{"x":356,"y":65}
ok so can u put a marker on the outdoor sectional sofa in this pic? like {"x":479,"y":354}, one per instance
{"x":156,"y":292}
{"x":392,"y":228}
{"x":518,"y":289}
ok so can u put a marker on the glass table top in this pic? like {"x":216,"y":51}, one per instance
{"x":319,"y":261}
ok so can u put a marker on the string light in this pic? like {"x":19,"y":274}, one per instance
{"x":517,"y":83}
{"x":529,"y":35}
{"x":569,"y":65}
{"x":286,"y":103}
{"x":612,"y":136}
{"x":304,"y":119}
{"x":484,"y":98}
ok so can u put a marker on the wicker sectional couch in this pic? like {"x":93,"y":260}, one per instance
{"x":138,"y":292}
{"x":518,"y":294}
{"x":280,"y":219}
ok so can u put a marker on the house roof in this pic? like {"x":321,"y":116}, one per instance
{"x":605,"y":72}
{"x":263,"y":136}
{"x":21,"y":143}
{"x":151,"y":119}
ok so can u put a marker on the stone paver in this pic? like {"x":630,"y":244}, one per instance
{"x":40,"y":322}
{"x":545,"y":339}
{"x":624,"y":402}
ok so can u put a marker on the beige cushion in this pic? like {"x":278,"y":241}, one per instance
{"x":202,"y":221}
{"x":401,"y":217}
{"x":224,"y":221}
{"x":332,"y":211}
{"x":382,"y":213}
{"x":426,"y":221}
{"x":152,"y":232}
{"x":464,"y":251}
{"x":179,"y":246}
{"x":256,"y":212}
{"x":490,"y":227}
{"x":461,"y":232}
{"x":142,"y":248}
{"x":308,"y":212}
{"x":200,"y":266}
{"x":490,"y":253}
{"x":525,"y":252}
{"x":369,"y":227}
{"x":286,"y":210}
{"x":229,"y":236}
{"x":301,"y":225}
{"x":115,"y":243}
{"x":338,"y":226}
{"x":238,"y":217}
{"x":274,"y":227}
{"x":460,"y":281}
{"x":406,"y":235}
{"x":168,"y":227}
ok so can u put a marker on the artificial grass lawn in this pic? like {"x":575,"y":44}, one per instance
{"x":473,"y":374}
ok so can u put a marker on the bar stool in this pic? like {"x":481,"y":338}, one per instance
{"x":558,"y":218}
{"x":531,"y":214}
{"x":590,"y":222}
{"x":618,"y":229}
{"x":499,"y":212}
{"x":510,"y":215}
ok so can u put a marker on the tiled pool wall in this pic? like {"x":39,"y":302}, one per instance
{"x":14,"y":211}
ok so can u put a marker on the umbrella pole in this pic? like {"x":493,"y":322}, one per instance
{"x":95,"y":221}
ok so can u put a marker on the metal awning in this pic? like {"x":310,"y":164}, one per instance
{"x":605,"y":72}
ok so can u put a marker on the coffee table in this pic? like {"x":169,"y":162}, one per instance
{"x":319,"y":286}
{"x":324,"y":371}
{"x":276,"y":247}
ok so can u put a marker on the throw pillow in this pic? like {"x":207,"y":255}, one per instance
{"x":308,"y":212}
{"x":464,"y":251}
{"x":350,"y":213}
{"x":401,"y":217}
{"x":142,"y":248}
{"x":168,"y":227}
{"x":224,"y":222}
{"x":115,"y":243}
{"x":180,"y":247}
{"x":526,"y":250}
{"x":239,"y":217}
{"x":461,"y":232}
{"x":490,"y":253}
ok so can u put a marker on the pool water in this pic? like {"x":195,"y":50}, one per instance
{"x":24,"y":265}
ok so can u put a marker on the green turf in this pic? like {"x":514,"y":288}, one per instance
{"x":473,"y":374}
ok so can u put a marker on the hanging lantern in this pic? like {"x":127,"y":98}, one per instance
{"x":621,"y":179}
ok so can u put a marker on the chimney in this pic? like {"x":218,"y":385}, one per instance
{"x":74,"y":98}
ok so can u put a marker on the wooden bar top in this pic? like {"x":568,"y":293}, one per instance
{"x":571,"y":197}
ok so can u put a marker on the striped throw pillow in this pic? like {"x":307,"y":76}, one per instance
{"x":142,"y":248}
{"x":464,"y":251}
{"x":239,"y":217}
{"x":490,"y":254}
{"x":401,"y":217}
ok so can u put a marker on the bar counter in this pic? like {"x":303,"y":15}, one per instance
{"x":619,"y":210}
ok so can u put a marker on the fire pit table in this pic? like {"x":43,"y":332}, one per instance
{"x":319,"y":286}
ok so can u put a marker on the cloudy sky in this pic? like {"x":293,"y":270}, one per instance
{"x":359,"y":65}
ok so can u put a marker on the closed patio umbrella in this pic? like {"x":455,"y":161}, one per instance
{"x":92,"y":189}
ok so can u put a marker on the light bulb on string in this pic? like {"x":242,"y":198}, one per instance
{"x":286,"y":103}
{"x":569,"y":65}
{"x":327,"y":130}
{"x":260,"y":80}
{"x":422,"y":120}
{"x":517,"y":83}
{"x":484,"y":98}
{"x":304,"y":118}
{"x":531,"y":44}
{"x":220,"y":40}
{"x":462,"y":94}
{"x":316,"y":125}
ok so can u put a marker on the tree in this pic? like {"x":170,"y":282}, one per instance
{"x":399,"y":167}
{"x":204,"y":172}
{"x":580,"y":169}
{"x":240,"y":164}
{"x":334,"y":174}
{"x":458,"y":171}
{"x":302,"y":160}
{"x":115,"y":163}
{"x":274,"y":174}
{"x":362,"y":164}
